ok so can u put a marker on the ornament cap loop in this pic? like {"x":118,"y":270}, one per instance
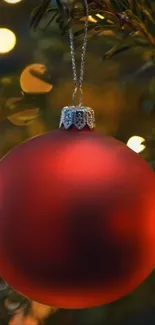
{"x":78,"y":117}
{"x":74,"y":96}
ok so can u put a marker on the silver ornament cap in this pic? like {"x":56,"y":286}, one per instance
{"x":78,"y":117}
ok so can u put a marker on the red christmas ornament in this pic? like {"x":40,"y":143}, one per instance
{"x":77,"y":225}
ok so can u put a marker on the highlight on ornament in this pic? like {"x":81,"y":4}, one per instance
{"x":136,"y":144}
{"x":7,"y":40}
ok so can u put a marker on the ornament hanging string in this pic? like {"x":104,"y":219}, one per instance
{"x":78,"y":116}
{"x":78,"y":83}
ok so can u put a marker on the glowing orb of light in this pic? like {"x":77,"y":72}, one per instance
{"x":136,"y":144}
{"x":8,"y":40}
{"x":12,"y":1}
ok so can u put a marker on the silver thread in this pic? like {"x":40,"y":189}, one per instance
{"x":78,"y":83}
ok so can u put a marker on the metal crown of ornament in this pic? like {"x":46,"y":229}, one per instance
{"x":78,"y":116}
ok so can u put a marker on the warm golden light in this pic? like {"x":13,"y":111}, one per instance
{"x":7,"y":40}
{"x":92,"y":19}
{"x":135,"y":143}
{"x":12,"y":1}
{"x":100,"y":16}
{"x":32,"y":79}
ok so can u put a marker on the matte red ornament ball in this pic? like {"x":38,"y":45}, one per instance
{"x":77,"y":219}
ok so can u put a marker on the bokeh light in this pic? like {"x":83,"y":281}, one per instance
{"x":8,"y":40}
{"x":32,"y":79}
{"x":12,"y":1}
{"x":100,"y":16}
{"x":136,"y":144}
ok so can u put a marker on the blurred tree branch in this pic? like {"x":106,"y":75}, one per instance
{"x":26,"y":101}
{"x":132,"y":20}
{"x":8,"y":110}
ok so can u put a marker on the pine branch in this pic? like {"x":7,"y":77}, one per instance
{"x":9,"y":110}
{"x":133,"y":20}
